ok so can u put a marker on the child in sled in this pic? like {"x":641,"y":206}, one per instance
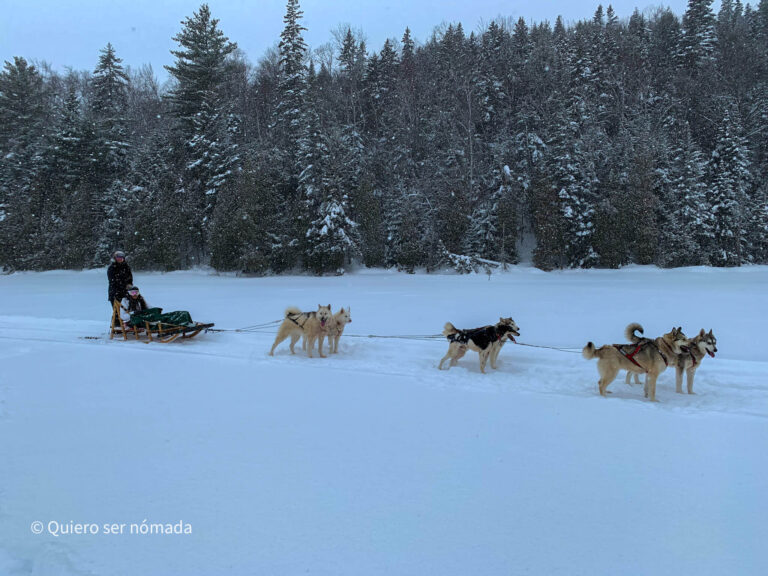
{"x":135,"y":312}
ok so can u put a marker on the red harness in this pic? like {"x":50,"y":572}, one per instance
{"x":631,"y":357}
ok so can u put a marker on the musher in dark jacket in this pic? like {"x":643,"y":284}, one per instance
{"x":120,"y":276}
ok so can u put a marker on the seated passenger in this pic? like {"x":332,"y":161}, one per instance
{"x":132,"y":303}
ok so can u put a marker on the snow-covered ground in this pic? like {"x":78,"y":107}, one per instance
{"x":373,"y":461}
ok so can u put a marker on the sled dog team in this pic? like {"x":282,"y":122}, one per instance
{"x":314,"y":327}
{"x":649,"y":356}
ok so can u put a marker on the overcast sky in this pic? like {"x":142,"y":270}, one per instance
{"x":71,"y":32}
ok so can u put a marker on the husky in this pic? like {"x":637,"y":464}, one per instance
{"x":312,"y":325}
{"x":336,"y":326}
{"x":486,"y":341}
{"x":644,"y":356}
{"x":701,"y":345}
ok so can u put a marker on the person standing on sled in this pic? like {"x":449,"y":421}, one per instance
{"x":132,"y":303}
{"x":120,"y":277}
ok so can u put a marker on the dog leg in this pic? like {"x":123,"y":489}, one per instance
{"x":495,"y":349}
{"x":606,"y":377}
{"x":279,"y":338}
{"x":320,"y":345}
{"x":679,"y":379}
{"x":294,"y":338}
{"x":651,"y":383}
{"x":628,"y":379}
{"x":484,"y":359}
{"x":444,"y":358}
{"x":689,"y":379}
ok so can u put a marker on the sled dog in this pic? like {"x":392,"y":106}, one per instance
{"x":486,"y":341}
{"x":336,"y":326}
{"x":701,"y":345}
{"x":644,"y":356}
{"x":312,"y":325}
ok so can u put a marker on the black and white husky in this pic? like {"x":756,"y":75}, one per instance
{"x":486,"y":341}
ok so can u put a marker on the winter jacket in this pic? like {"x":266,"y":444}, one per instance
{"x":120,"y":276}
{"x":130,"y":306}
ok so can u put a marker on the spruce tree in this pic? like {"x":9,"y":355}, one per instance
{"x":288,"y":123}
{"x":109,"y":102}
{"x":209,"y":155}
{"x":22,"y":115}
{"x":729,"y":171}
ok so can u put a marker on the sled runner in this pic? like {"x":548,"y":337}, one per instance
{"x":154,"y":325}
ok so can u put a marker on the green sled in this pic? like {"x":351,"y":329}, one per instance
{"x":154,"y":315}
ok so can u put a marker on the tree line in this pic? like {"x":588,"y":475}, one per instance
{"x":597,"y":144}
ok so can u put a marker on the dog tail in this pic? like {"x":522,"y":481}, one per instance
{"x":292,"y":311}
{"x":449,"y":329}
{"x":589,"y":351}
{"x":629,"y":332}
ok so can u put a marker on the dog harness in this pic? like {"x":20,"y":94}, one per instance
{"x":292,"y":318}
{"x":631,"y":357}
{"x":663,"y":357}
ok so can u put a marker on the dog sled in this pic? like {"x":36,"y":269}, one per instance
{"x":152,"y":325}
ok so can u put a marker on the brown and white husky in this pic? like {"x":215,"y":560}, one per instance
{"x":701,"y":345}
{"x":643,"y":356}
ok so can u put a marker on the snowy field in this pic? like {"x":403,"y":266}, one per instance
{"x":373,"y":462}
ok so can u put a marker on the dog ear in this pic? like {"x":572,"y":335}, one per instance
{"x":342,"y":310}
{"x":702,"y":333}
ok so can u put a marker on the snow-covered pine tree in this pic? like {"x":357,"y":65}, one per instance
{"x":699,"y":40}
{"x":288,"y":123}
{"x":108,"y":103}
{"x":570,"y":166}
{"x":71,"y":179}
{"x":331,"y":238}
{"x":208,"y":155}
{"x":698,"y":71}
{"x":730,"y":177}
{"x":686,"y":235}
{"x":22,"y":115}
{"x":664,"y":58}
{"x":756,"y":225}
{"x":351,"y":71}
{"x":291,"y":90}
